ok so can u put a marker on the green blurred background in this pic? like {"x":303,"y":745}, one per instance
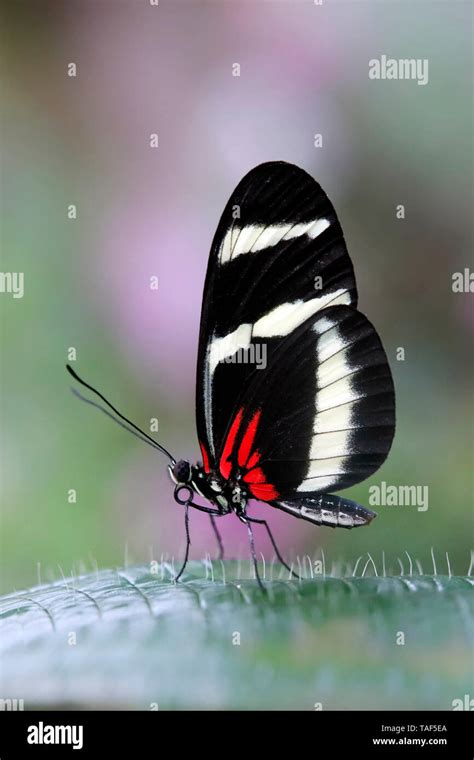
{"x":85,"y":140}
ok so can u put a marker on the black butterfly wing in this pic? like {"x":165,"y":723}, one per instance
{"x":278,"y":258}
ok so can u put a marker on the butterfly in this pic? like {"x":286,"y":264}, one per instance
{"x":294,"y":394}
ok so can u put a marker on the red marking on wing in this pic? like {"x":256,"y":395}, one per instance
{"x":254,"y":459}
{"x":205,"y":457}
{"x":248,"y":439}
{"x":258,"y":486}
{"x":255,"y":476}
{"x":225,"y":465}
{"x":264,"y":491}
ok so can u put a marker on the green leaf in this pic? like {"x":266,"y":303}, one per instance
{"x":131,"y":638}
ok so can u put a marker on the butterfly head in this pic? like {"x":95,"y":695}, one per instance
{"x":180,"y":472}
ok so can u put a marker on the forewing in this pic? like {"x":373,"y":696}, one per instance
{"x":278,"y":258}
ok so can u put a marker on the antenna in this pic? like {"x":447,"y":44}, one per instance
{"x":143,"y":436}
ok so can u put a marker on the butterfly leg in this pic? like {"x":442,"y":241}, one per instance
{"x":275,"y":547}
{"x":218,"y":536}
{"x":188,"y":502}
{"x":246,"y":522}
{"x":188,"y":543}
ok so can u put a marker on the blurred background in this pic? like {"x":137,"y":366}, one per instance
{"x":144,"y":212}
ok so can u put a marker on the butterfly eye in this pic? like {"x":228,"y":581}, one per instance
{"x":181,"y":471}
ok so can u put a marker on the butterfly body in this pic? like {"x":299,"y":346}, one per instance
{"x":231,"y":496}
{"x":226,"y":495}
